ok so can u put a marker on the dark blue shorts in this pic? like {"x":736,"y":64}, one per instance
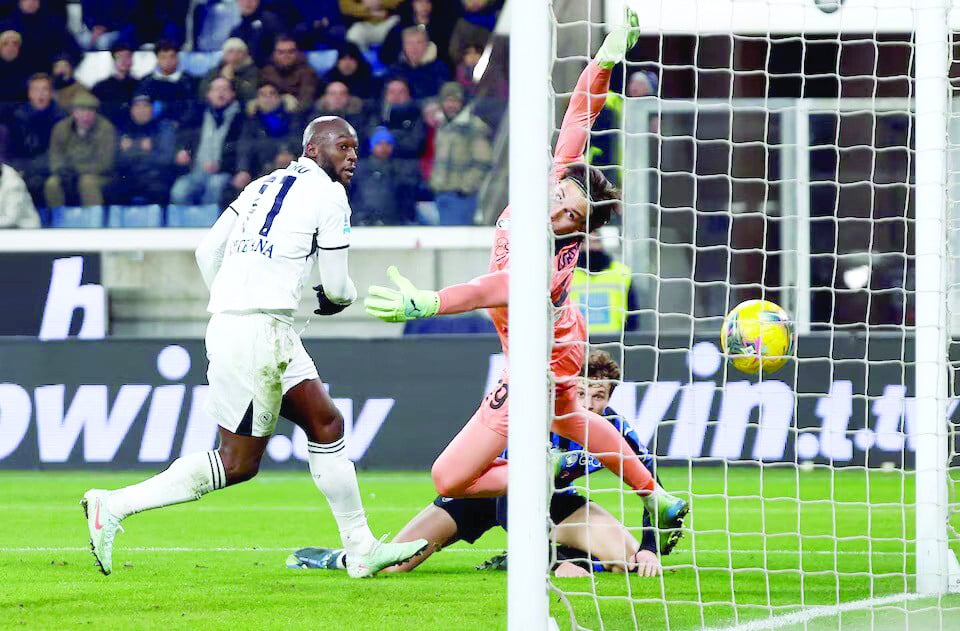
{"x":475,"y":516}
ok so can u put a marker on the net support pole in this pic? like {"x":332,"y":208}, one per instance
{"x":530,"y":329}
{"x":931,"y":102}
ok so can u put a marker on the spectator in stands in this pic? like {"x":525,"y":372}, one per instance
{"x":16,"y":206}
{"x":463,"y":157}
{"x":319,"y":23}
{"x":475,"y":25}
{"x":108,"y":22}
{"x":81,"y":155}
{"x":13,"y":73}
{"x":236,"y":67}
{"x":642,"y":83}
{"x":432,"y":119}
{"x":44,"y":35}
{"x":30,"y":128}
{"x":437,"y":21}
{"x":269,"y":127}
{"x":170,"y":89}
{"x":469,"y":59}
{"x":419,"y":64}
{"x":337,"y":101}
{"x":373,"y":20}
{"x":144,"y":154}
{"x":384,"y":190}
{"x":208,"y":151}
{"x":353,"y":70}
{"x":258,"y":28}
{"x":65,"y":87}
{"x":401,"y":116}
{"x":291,"y":73}
{"x":116,"y":91}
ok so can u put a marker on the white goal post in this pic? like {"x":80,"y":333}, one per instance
{"x":930,"y":111}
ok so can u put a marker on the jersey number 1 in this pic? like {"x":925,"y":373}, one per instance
{"x":285,"y":185}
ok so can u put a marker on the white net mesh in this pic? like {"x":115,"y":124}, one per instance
{"x":765,"y":149}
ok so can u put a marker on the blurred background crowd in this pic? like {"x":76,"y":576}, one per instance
{"x":150,"y":103}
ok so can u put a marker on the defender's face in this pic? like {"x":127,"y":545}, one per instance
{"x":596,"y":397}
{"x":568,"y":213}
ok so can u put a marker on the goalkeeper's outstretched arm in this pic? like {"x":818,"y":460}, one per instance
{"x":590,"y":95}
{"x":406,"y":302}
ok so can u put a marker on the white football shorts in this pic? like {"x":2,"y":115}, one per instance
{"x":254,"y":359}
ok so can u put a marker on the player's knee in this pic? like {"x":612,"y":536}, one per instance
{"x":239,"y":468}
{"x":445,"y":482}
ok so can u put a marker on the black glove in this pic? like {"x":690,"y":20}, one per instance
{"x":327,"y":306}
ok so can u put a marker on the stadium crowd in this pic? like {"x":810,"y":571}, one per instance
{"x":232,"y":86}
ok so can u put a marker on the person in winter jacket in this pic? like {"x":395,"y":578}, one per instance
{"x":291,"y":73}
{"x":207,"y":149}
{"x":419,"y":64}
{"x":82,"y":150}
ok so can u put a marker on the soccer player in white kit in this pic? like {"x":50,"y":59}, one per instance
{"x":254,"y":260}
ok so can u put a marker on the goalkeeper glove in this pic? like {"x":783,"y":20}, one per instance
{"x":327,"y":306}
{"x":619,"y":41}
{"x":401,"y":304}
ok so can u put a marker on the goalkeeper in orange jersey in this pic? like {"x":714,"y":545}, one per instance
{"x":583,"y":200}
{"x":587,"y":536}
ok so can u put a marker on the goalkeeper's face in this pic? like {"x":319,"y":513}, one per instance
{"x":596,"y":397}
{"x":568,"y":212}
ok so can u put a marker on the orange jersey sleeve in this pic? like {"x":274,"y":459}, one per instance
{"x":587,"y":101}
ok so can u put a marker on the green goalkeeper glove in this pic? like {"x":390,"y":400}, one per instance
{"x":619,"y":41}
{"x":409,"y":303}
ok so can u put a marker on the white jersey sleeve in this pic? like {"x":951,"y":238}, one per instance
{"x":282,"y":219}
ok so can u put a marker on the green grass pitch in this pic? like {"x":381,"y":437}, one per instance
{"x":218,"y":563}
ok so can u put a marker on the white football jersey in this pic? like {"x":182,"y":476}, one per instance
{"x":282,"y":219}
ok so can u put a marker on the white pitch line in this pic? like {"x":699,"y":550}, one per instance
{"x":812,"y":613}
{"x":459,"y":549}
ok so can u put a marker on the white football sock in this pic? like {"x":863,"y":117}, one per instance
{"x":186,"y":479}
{"x":336,"y":477}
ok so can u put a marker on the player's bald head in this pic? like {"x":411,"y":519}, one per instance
{"x":332,"y":143}
{"x":326,"y":129}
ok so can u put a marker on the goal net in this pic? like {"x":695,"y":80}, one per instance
{"x":805,"y":152}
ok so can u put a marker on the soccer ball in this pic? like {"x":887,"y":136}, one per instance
{"x":757,"y":335}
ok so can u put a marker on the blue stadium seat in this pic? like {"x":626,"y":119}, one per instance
{"x":197,"y":64}
{"x":135,"y":216}
{"x":192,"y":216}
{"x":77,"y":217}
{"x":322,"y":60}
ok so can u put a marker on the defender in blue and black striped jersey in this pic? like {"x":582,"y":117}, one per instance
{"x":587,"y":536}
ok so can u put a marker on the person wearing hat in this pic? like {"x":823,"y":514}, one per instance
{"x":237,"y":67}
{"x":143,"y":173}
{"x":65,"y":87}
{"x":384,"y":189}
{"x":81,"y":155}
{"x":463,"y":154}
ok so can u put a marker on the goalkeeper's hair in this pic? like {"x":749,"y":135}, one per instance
{"x":601,"y":367}
{"x":603,"y":196}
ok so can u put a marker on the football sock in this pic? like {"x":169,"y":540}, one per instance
{"x":186,"y":479}
{"x":336,"y":477}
